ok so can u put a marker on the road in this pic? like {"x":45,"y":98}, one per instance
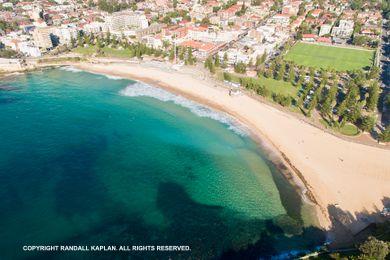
{"x":385,"y":74}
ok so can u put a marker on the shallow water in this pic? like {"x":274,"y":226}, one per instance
{"x":87,"y":159}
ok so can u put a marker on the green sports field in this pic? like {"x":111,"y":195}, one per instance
{"x":337,"y":58}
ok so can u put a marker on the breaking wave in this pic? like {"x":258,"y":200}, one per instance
{"x":139,"y":89}
{"x":73,"y":69}
{"x":112,"y":77}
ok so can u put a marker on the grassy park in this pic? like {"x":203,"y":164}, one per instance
{"x":329,"y":57}
{"x":274,"y":86}
{"x":278,"y":86}
{"x":347,"y":129}
{"x":109,"y":52}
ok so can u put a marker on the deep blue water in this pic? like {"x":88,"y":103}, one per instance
{"x":90,"y":160}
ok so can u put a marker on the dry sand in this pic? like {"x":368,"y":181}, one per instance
{"x":354,"y":176}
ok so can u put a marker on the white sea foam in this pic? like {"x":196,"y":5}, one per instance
{"x":71,"y":69}
{"x":139,"y":89}
{"x":112,"y":77}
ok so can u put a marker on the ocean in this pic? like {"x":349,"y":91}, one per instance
{"x":94,"y":160}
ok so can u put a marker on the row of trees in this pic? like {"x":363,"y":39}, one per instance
{"x":322,"y":90}
{"x":328,"y":92}
{"x":136,"y":49}
{"x":112,"y":6}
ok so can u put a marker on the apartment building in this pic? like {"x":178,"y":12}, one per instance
{"x":126,"y":20}
{"x":42,"y":38}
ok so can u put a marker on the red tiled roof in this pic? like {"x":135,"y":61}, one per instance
{"x":309,"y":35}
{"x":203,"y":46}
{"x":324,"y":39}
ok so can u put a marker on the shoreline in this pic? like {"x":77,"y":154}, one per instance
{"x":323,"y":162}
{"x":275,"y":156}
{"x":336,"y":171}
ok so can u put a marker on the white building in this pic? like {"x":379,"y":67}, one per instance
{"x":42,"y":38}
{"x":125,"y":20}
{"x":325,"y":29}
{"x":280,"y":19}
{"x":65,"y":34}
{"x":153,"y":41}
{"x":344,"y":30}
{"x":95,"y":27}
{"x":205,"y":35}
{"x":28,"y":49}
{"x":235,"y":56}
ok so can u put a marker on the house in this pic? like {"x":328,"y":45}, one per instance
{"x":316,"y":13}
{"x":326,"y":40}
{"x":229,"y":13}
{"x":309,"y":37}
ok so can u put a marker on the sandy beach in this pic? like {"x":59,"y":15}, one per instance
{"x":352,"y":176}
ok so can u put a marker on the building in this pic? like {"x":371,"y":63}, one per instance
{"x":326,"y":40}
{"x":154,"y":28}
{"x":28,"y":49}
{"x":203,"y":49}
{"x":325,"y":29}
{"x":42,"y":38}
{"x":235,"y":56}
{"x":64,"y":34}
{"x":125,"y":20}
{"x":280,"y":19}
{"x":309,"y":37}
{"x":95,"y":27}
{"x":344,"y":30}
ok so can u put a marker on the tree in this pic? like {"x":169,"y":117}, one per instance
{"x":374,"y":73}
{"x":207,"y":63}
{"x":227,"y":76}
{"x":190,"y":57}
{"x":263,"y":57}
{"x":301,"y":9}
{"x":80,"y":39}
{"x":312,"y":105}
{"x":242,"y":10}
{"x":373,"y":248}
{"x":212,"y":68}
{"x":225,"y":58}
{"x":356,"y":4}
{"x":258,"y":61}
{"x":373,"y":95}
{"x":326,"y":106}
{"x":217,"y":62}
{"x":366,"y":123}
{"x":181,"y":53}
{"x":384,"y":136}
{"x":240,"y":67}
{"x":291,"y":73}
{"x":172,"y":54}
{"x":281,"y":99}
{"x":280,"y":73}
{"x":72,"y":42}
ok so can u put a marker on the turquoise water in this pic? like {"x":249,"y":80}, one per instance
{"x":87,"y":159}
